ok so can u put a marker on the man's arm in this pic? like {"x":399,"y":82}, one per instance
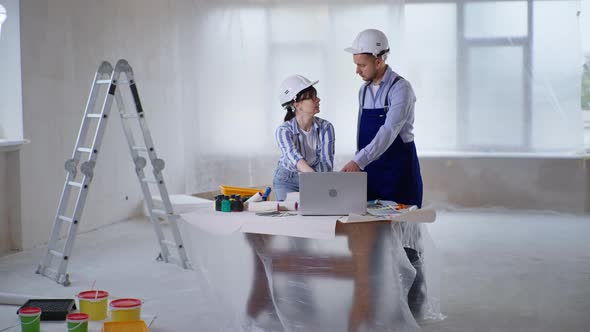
{"x":351,"y":166}
{"x":401,"y":101}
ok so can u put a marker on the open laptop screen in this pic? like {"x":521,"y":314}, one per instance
{"x":333,"y":193}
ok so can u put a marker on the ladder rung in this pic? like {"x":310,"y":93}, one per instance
{"x":146,"y":180}
{"x":159,"y":212}
{"x":122,"y":82}
{"x":178,"y":261}
{"x":93,"y":115}
{"x":75,"y":184}
{"x":103,"y":81}
{"x":169,"y":243}
{"x":129,"y":116}
{"x":65,"y":218}
{"x":56,"y":253}
{"x":140,"y":148}
{"x":86,"y":150}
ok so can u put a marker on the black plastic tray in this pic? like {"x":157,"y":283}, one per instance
{"x":52,"y":309}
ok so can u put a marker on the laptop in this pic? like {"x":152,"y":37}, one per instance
{"x":332,"y":193}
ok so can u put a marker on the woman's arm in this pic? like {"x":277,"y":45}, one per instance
{"x":284,"y":139}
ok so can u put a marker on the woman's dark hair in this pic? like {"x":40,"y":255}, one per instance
{"x":307,"y":93}
{"x":290,"y":112}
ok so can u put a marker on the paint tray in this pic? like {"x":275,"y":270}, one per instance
{"x":229,"y":190}
{"x":52,"y":309}
{"x":128,"y":326}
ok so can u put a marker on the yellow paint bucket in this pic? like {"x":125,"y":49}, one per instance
{"x":94,"y":304}
{"x":124,"y":310}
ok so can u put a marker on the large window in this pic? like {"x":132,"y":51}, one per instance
{"x":490,"y":76}
{"x":585,"y":89}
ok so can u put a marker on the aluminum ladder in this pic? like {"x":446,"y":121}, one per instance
{"x":69,"y":212}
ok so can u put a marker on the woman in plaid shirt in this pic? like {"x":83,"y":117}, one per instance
{"x":306,"y":141}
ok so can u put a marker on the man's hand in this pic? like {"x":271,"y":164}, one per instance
{"x":351,"y":166}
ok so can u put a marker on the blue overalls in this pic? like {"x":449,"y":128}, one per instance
{"x":395,"y":176}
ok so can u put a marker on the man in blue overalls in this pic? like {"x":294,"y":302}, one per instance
{"x":385,"y":142}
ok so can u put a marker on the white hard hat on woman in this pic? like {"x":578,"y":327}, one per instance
{"x":291,"y":86}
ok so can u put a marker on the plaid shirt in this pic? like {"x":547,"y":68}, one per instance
{"x":290,"y":140}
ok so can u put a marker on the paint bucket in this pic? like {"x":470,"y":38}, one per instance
{"x":77,"y":322}
{"x":30,"y":319}
{"x":123,"y":310}
{"x":94,"y":304}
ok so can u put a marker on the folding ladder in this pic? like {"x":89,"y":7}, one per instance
{"x":69,"y":212}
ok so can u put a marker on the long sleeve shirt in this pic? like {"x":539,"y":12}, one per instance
{"x":290,"y":140}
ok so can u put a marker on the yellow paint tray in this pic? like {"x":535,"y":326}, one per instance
{"x":129,"y":326}
{"x":244,"y":192}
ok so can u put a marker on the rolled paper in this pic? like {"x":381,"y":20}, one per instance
{"x":255,"y":198}
{"x":273,"y":206}
{"x":288,"y":206}
{"x":263,"y":206}
{"x":17,"y":299}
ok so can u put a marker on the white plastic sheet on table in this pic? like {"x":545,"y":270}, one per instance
{"x":355,"y":279}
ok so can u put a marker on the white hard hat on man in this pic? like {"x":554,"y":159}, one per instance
{"x":370,"y":41}
{"x":291,"y":86}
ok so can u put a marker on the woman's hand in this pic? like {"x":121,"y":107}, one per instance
{"x":303,"y":166}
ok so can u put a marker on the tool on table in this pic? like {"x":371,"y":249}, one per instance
{"x":266,"y":193}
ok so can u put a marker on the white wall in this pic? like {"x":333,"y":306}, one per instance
{"x":555,"y":183}
{"x":10,"y":228}
{"x":5,"y":236}
{"x":63,"y":42}
{"x":11,"y":123}
{"x":11,"y":126}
